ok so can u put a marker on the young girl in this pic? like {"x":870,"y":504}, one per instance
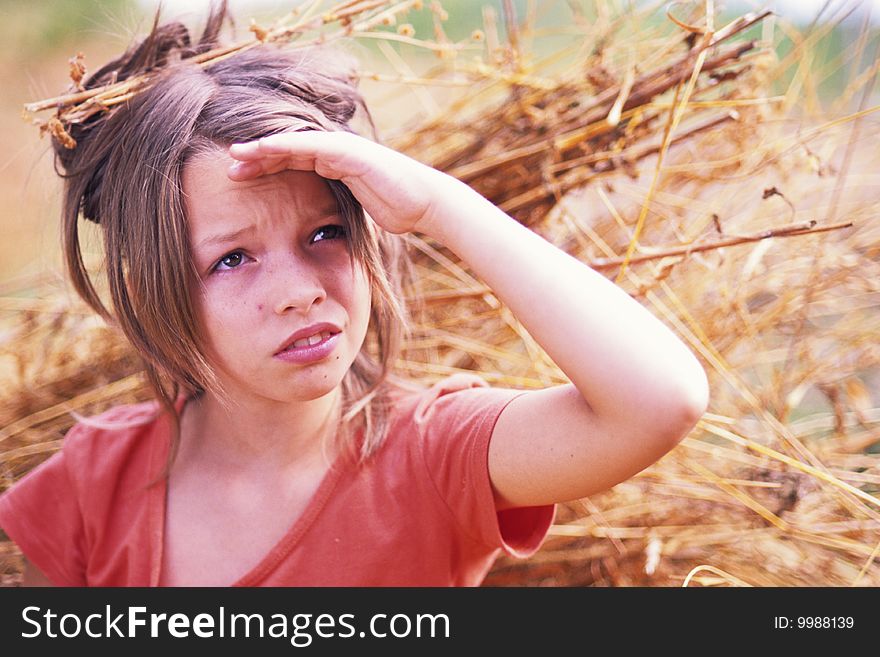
{"x":254,"y":261}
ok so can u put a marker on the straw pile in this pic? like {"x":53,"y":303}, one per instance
{"x":659,"y":156}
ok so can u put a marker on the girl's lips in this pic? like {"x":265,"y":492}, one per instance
{"x":310,"y":353}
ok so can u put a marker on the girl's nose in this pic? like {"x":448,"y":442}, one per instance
{"x":299,"y":292}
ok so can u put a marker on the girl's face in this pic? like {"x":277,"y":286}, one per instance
{"x":273,"y":259}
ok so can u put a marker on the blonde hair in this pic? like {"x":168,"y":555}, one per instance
{"x":125,"y":174}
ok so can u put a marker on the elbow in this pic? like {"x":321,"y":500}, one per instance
{"x":692,"y":403}
{"x":676,"y":411}
{"x":672,"y":416}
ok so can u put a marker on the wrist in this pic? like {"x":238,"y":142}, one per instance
{"x":453,"y":204}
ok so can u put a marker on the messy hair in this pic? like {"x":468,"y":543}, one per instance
{"x":125,"y":174}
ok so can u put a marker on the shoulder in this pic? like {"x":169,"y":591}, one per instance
{"x":451,"y":427}
{"x":460,"y":398}
{"x":122,"y":436}
{"x":456,"y":413}
{"x":62,"y":509}
{"x":453,"y":411}
{"x":419,"y":410}
{"x":115,"y":425}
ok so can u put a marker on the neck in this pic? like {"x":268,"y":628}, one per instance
{"x":259,"y":431}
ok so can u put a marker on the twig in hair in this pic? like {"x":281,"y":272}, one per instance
{"x":78,"y":107}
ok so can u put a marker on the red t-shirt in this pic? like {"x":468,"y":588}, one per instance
{"x":420,"y":512}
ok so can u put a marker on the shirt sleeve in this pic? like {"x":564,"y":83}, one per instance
{"x":41,"y":514}
{"x":456,"y":420}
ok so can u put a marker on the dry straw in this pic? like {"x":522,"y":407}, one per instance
{"x":659,"y":154}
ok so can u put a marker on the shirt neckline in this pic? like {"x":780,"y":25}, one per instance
{"x":159,"y":501}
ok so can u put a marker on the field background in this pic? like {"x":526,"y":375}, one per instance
{"x":787,"y":328}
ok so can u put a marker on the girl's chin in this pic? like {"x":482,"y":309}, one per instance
{"x":304,"y":385}
{"x":302,"y":391}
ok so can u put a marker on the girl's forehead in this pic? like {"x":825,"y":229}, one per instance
{"x":212,"y":197}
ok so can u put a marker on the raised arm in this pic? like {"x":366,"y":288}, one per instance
{"x":636,"y":389}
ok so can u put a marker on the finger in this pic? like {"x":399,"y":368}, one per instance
{"x":266,"y":165}
{"x":300,"y":163}
{"x":335,"y":155}
{"x":263,"y":166}
{"x":306,"y":143}
{"x":240,"y":171}
{"x":253,"y":150}
{"x":286,"y":142}
{"x":245,"y":151}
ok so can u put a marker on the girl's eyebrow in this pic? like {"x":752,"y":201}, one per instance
{"x":225,"y":237}
{"x":222,"y":238}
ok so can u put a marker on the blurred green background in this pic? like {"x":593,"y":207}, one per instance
{"x":39,"y":37}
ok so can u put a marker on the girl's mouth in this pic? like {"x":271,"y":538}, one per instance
{"x":311,"y":349}
{"x":310,"y":341}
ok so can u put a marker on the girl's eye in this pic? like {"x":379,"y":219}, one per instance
{"x":229,"y":261}
{"x":331,"y":232}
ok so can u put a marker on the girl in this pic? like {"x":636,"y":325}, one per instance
{"x":254,"y":261}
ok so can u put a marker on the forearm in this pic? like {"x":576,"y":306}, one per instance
{"x":621,"y":358}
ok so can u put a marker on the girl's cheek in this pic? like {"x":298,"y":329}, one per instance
{"x":224,"y":299}
{"x":229,"y":284}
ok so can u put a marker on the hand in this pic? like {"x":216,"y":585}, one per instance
{"x":396,"y":191}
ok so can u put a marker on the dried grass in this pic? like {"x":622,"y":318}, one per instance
{"x":662,"y":159}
